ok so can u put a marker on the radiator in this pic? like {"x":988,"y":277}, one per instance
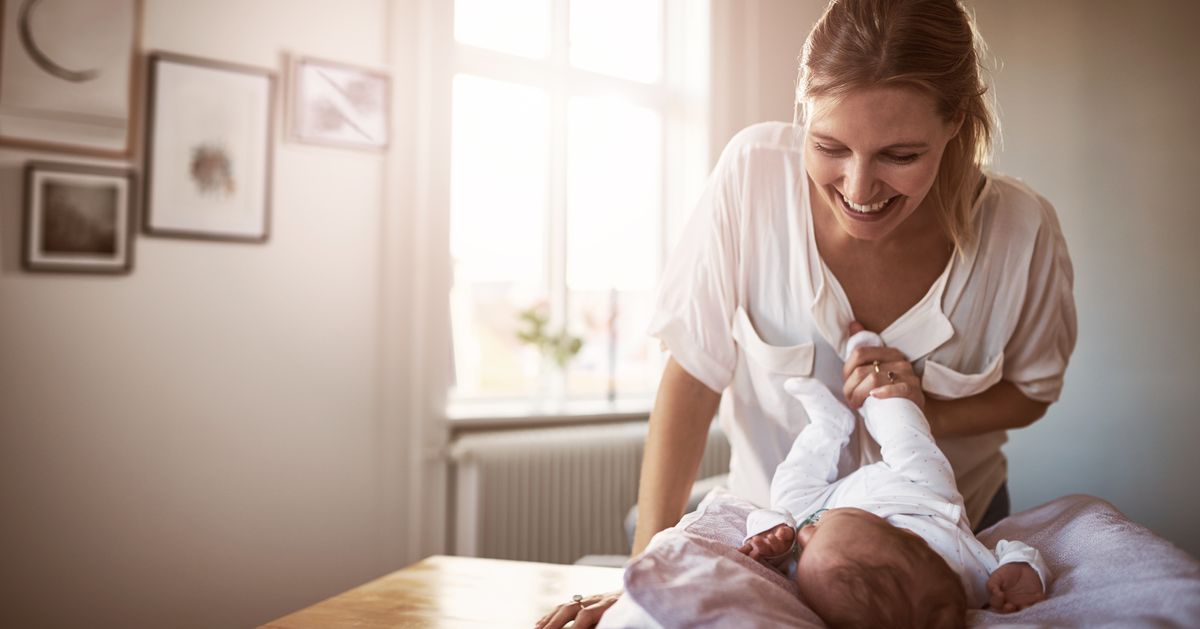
{"x":553,"y":494}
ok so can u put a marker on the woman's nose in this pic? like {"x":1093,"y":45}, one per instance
{"x":859,"y":181}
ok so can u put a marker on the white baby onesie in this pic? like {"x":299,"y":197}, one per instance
{"x":912,"y":487}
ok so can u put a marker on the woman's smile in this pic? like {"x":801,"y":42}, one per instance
{"x":870,"y":212}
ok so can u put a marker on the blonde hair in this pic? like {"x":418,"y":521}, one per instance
{"x":930,"y":45}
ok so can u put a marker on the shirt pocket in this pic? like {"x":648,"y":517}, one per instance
{"x":944,"y":383}
{"x":790,"y":360}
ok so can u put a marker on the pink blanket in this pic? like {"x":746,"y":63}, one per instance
{"x":1107,"y":570}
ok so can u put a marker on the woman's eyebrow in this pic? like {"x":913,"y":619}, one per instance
{"x":896,"y":145}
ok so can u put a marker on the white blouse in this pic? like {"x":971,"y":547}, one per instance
{"x":746,"y":302}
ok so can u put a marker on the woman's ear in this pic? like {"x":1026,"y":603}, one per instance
{"x":956,"y":123}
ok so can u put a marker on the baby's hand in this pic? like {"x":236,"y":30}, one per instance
{"x":1013,"y":587}
{"x":770,"y":547}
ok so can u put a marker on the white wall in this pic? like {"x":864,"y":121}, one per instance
{"x":197,"y":444}
{"x":1098,"y":103}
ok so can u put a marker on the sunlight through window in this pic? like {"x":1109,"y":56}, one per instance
{"x":516,"y":27}
{"x":621,"y":38}
{"x":573,"y":146}
{"x":497,"y":229}
{"x":614,"y":182}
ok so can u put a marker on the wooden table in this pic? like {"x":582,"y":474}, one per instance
{"x":456,"y":592}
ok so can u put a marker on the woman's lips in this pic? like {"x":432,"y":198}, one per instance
{"x":868,"y":217}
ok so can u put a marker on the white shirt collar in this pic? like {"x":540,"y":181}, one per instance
{"x":917,"y":332}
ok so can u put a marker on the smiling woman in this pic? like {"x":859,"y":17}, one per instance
{"x":873,"y":210}
{"x":875,"y":155}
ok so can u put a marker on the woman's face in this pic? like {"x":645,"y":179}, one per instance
{"x":873,"y":155}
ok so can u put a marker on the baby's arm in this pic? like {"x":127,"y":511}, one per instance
{"x":1021,"y":579}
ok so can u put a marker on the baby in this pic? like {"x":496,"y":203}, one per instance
{"x":889,"y":544}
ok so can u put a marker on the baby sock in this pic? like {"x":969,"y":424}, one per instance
{"x":864,"y":338}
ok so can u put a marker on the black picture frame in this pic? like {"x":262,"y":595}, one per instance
{"x":78,"y":218}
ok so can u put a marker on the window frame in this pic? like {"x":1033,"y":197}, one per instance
{"x":680,"y":97}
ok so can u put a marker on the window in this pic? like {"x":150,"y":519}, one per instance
{"x":578,"y":140}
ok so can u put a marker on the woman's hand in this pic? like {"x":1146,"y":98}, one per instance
{"x":586,"y":612}
{"x":892,"y":377}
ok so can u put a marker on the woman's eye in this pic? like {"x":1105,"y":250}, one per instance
{"x":904,"y":159}
{"x":826,"y":150}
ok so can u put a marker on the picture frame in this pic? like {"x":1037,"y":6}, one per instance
{"x":78,"y":218}
{"x":209,"y":149}
{"x":338,"y":104}
{"x":69,"y":75}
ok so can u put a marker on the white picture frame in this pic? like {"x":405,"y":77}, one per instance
{"x":68,"y":75}
{"x":338,"y":104}
{"x":209,"y":146}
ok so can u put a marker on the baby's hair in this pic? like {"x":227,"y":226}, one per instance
{"x":876,"y":596}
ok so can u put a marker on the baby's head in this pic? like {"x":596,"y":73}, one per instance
{"x":857,"y":570}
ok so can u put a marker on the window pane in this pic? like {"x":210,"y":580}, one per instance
{"x":621,"y":38}
{"x":614,"y":180}
{"x":617,"y":356}
{"x":498,"y":183}
{"x":518,"y":27}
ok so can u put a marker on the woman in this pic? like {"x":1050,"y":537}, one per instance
{"x":874,"y":209}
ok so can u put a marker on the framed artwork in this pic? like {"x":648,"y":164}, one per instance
{"x":68,"y":75}
{"x":208,"y":149}
{"x":338,"y":104}
{"x":78,"y":218}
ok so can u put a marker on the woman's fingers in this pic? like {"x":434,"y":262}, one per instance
{"x":559,"y":617}
{"x":883,"y":372}
{"x":906,"y":386}
{"x":590,"y":615}
{"x":865,"y":356}
{"x":864,"y":380}
{"x":898,"y":389}
{"x":585,"y":613}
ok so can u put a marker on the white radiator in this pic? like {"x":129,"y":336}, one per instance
{"x":553,"y":494}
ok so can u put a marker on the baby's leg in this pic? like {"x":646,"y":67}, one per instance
{"x":902,"y":431}
{"x":811,"y":465}
{"x":907,"y":446}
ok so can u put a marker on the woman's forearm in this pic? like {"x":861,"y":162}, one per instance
{"x":1001,"y":407}
{"x":675,"y":443}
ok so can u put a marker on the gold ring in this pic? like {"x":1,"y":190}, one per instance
{"x":876,"y":366}
{"x":891,"y":376}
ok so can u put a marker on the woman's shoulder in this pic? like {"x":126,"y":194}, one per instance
{"x":765,"y":136}
{"x":1011,"y":207}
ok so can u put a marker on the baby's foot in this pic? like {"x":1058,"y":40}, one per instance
{"x":862,"y":338}
{"x":771,"y":547}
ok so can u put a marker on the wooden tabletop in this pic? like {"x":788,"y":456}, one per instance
{"x":456,"y":592}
